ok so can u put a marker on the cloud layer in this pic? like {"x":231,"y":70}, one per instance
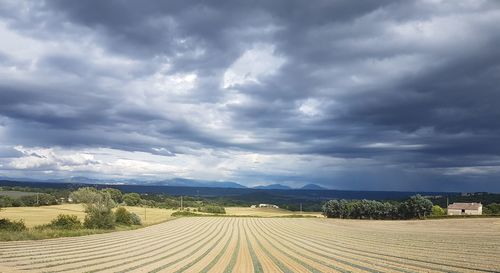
{"x":385,"y":95}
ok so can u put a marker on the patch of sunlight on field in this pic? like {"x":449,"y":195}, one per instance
{"x":266,"y":212}
{"x":33,"y":216}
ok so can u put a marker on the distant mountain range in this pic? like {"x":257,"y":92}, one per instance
{"x":174,"y":182}
{"x":273,"y":187}
{"x":182,"y":182}
{"x":312,"y":187}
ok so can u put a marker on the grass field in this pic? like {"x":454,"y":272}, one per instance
{"x":225,"y":244}
{"x":33,"y":216}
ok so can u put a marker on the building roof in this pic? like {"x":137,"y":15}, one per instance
{"x":466,"y":206}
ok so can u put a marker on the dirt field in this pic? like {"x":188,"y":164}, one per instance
{"x":42,"y":215}
{"x":210,"y":244}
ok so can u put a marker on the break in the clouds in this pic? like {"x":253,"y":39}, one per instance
{"x":374,"y":95}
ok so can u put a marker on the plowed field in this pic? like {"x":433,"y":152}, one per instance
{"x":210,"y":244}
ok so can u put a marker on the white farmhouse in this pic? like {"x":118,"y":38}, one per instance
{"x":465,"y":209}
{"x":268,"y":206}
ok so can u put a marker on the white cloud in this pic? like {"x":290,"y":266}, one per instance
{"x":311,"y":107}
{"x":472,"y":170}
{"x":391,"y":145}
{"x":39,"y":158}
{"x":255,"y":63}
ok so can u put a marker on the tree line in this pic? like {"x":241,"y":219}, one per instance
{"x":415,"y":207}
{"x":41,"y":199}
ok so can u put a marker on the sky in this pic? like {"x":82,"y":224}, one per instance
{"x":360,"y":95}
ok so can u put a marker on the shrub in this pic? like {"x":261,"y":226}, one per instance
{"x":183,"y":213}
{"x":5,"y":201}
{"x":123,"y":216}
{"x":136,"y":220}
{"x":437,"y":211}
{"x":9,"y":225}
{"x":492,"y":209}
{"x":17,"y":203}
{"x":99,"y":219}
{"x":67,"y":222}
{"x":213,"y":209}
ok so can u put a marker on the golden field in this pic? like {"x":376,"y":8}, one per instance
{"x":239,"y":244}
{"x":33,"y":216}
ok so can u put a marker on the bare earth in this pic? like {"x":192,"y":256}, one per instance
{"x":225,"y":244}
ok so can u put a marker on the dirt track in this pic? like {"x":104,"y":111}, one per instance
{"x":208,"y":244}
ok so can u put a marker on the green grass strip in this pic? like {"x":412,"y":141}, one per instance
{"x":192,"y":262}
{"x":180,"y":238}
{"x":336,"y":259}
{"x":217,"y":258}
{"x":306,"y":265}
{"x":232,"y":262}
{"x":138,"y":259}
{"x":184,"y":235}
{"x":107,"y":247}
{"x":349,"y":250}
{"x":257,"y":266}
{"x":281,"y":265}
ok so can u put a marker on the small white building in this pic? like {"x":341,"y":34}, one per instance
{"x":465,"y":209}
{"x":268,"y":206}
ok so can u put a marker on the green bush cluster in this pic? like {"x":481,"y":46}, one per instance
{"x":136,"y":220}
{"x":10,"y":225}
{"x":99,"y":219}
{"x":437,"y":211}
{"x":43,"y":199}
{"x":124,"y":217}
{"x":183,"y":213}
{"x":492,"y":209}
{"x":212,"y":209}
{"x":415,"y":207}
{"x":132,"y":199}
{"x":67,"y":222}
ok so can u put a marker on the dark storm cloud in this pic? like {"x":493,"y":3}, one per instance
{"x":410,"y":85}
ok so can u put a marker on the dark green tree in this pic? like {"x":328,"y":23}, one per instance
{"x":416,"y":207}
{"x":98,"y":206}
{"x":116,"y":194}
{"x":132,"y":199}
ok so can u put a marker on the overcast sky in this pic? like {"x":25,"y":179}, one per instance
{"x":364,"y":95}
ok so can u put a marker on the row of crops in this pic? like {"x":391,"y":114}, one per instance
{"x":225,"y":244}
